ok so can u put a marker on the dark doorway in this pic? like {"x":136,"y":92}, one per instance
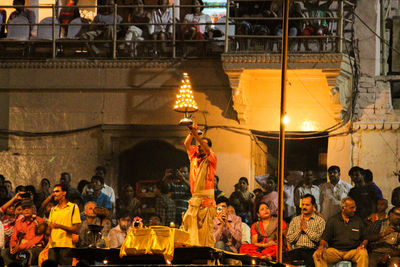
{"x":301,"y":151}
{"x":148,"y":160}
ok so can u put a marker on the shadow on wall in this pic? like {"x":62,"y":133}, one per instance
{"x":148,"y":160}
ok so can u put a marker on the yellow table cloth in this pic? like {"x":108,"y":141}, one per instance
{"x":154,"y":240}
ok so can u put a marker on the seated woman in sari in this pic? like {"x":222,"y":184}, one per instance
{"x":264,"y":234}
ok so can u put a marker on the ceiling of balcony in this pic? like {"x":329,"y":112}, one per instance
{"x":309,"y":102}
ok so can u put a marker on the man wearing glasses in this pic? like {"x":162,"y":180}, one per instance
{"x":384,"y":240}
{"x":64,"y":220}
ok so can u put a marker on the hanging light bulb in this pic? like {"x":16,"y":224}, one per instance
{"x":285,"y":119}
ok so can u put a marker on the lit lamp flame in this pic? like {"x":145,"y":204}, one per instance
{"x":185,"y":102}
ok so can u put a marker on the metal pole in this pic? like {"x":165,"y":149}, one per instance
{"x":341,"y":39}
{"x":53,"y":22}
{"x":114,"y":51}
{"x":383,"y":33}
{"x":173,"y":32}
{"x":281,"y":160}
{"x":227,"y":27}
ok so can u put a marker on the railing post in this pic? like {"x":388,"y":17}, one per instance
{"x":173,"y":32}
{"x":383,"y":36}
{"x":341,"y":39}
{"x":114,"y":47}
{"x":53,"y":39}
{"x":227,"y":26}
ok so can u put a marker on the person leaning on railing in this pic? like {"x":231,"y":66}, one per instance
{"x":160,"y":27}
{"x":316,"y":27}
{"x":102,"y":27}
{"x":198,"y":25}
{"x":140,"y":16}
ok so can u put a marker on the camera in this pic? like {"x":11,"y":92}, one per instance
{"x":22,"y":256}
{"x":26,"y":195}
{"x":219,"y":209}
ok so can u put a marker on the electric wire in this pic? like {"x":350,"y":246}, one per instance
{"x":377,"y":35}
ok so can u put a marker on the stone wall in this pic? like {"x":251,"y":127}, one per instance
{"x":376,"y":141}
{"x":118,"y":112}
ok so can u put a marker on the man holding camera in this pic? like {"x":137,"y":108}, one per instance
{"x":384,"y":240}
{"x":198,"y":219}
{"x":227,"y":227}
{"x":25,"y":241}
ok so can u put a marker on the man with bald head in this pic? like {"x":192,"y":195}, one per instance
{"x":344,"y":238}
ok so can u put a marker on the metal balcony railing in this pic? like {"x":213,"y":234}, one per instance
{"x":53,"y":39}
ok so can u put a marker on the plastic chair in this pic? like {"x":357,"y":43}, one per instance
{"x":220,"y":25}
{"x":74,"y":28}
{"x":18,"y":29}
{"x":45,"y":29}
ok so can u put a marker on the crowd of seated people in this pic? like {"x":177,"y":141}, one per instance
{"x":325,"y":222}
{"x":328,"y":221}
{"x":138,"y":22}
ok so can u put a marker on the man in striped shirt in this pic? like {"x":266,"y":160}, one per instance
{"x":304,"y":233}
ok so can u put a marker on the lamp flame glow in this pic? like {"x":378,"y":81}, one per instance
{"x":185,"y":100}
{"x":308,"y":126}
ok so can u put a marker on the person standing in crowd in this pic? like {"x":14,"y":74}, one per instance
{"x":217,"y":192}
{"x":102,"y":200}
{"x":332,"y":192}
{"x":369,"y":180}
{"x":242,"y":200}
{"x":364,"y":195}
{"x":117,"y":235}
{"x":306,"y":187}
{"x":44,"y":191}
{"x":64,"y":221}
{"x":396,"y":192}
{"x":384,"y":239}
{"x":107,"y":190}
{"x":198,"y":219}
{"x":165,"y":206}
{"x":128,"y":201}
{"x":304,"y":233}
{"x":179,"y":188}
{"x":344,"y":238}
{"x":9,"y":186}
{"x":227,"y":227}
{"x":160,"y":26}
{"x":288,"y":195}
{"x":65,"y":179}
{"x":270,"y":195}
